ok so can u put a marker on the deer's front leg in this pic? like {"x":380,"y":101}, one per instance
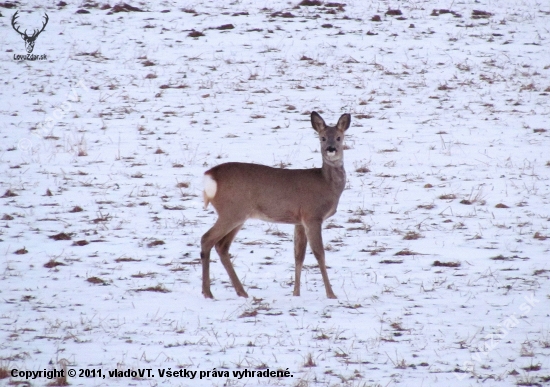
{"x":315,"y":238}
{"x":300,"y":244}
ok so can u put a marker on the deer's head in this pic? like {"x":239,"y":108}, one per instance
{"x":331,"y":137}
{"x":29,"y":39}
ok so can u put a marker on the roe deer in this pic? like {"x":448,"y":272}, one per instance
{"x":303,"y":197}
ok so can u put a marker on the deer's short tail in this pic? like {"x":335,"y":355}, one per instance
{"x":210,"y":188}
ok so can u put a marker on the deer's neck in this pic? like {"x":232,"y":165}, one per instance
{"x":335,"y":174}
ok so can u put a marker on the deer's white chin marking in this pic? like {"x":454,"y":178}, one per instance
{"x":333,"y":156}
{"x":210,"y":188}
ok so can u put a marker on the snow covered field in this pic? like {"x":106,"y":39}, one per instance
{"x":438,"y":252}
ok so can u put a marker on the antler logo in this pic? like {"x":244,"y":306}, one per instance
{"x":29,"y":40}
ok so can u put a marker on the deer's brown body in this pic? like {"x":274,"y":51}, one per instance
{"x":303,"y":197}
{"x":293,"y":194}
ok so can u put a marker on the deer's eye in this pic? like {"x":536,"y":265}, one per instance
{"x":324,"y":138}
{"x":338,"y":139}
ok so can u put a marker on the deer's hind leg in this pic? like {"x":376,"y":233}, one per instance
{"x":222,"y":247}
{"x":214,"y":236}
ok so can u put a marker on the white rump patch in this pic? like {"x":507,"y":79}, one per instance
{"x":210,"y":188}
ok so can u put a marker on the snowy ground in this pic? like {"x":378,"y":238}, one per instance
{"x":438,"y":252}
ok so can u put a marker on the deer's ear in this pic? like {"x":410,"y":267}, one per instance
{"x":317,"y":122}
{"x":344,"y":122}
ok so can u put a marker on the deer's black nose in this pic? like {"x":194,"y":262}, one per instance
{"x":331,"y":149}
